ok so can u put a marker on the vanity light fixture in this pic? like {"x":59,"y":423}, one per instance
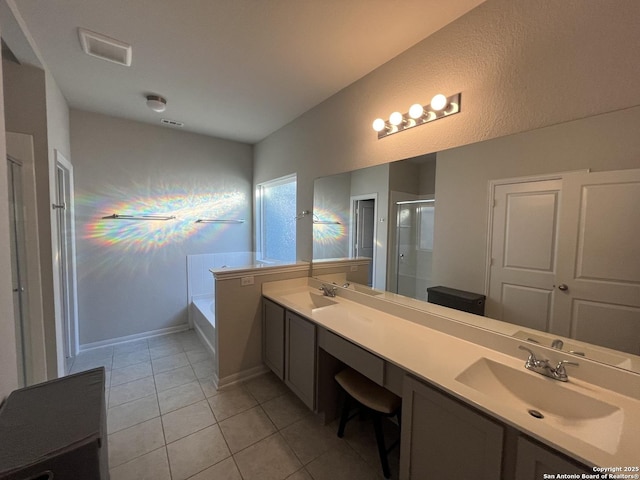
{"x":439,"y":107}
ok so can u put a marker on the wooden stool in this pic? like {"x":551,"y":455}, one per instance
{"x":377,"y":400}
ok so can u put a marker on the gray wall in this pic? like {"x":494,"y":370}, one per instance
{"x":132,"y":275}
{"x":520,"y":65}
{"x":29,"y":110}
{"x":332,"y":197}
{"x":58,"y":138}
{"x":600,"y":143}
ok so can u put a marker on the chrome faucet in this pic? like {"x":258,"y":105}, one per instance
{"x":543,"y":367}
{"x":328,"y":290}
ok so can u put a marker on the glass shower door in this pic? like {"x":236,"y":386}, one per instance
{"x":414,"y":247}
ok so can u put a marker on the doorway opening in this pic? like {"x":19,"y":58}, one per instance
{"x":363,"y":230}
{"x":64,"y":263}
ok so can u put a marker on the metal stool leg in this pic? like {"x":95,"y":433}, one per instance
{"x":382,"y":450}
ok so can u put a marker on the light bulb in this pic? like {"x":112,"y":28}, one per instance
{"x":438,"y":102}
{"x":416,"y":110}
{"x":379,"y":124}
{"x":396,"y":118}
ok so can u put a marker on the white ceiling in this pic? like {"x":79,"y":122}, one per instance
{"x":236,"y":69}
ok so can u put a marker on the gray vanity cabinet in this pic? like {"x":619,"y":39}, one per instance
{"x":442,"y":438}
{"x":300,"y":358}
{"x":289,"y":349}
{"x":273,"y":336}
{"x":534,"y":460}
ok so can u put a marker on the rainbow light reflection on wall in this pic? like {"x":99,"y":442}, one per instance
{"x":149,"y":235}
{"x":327,"y":233}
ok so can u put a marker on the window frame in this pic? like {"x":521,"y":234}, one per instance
{"x":260,"y":240}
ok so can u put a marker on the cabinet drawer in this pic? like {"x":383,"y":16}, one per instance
{"x":356,"y":357}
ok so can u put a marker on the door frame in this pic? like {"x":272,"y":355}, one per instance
{"x":352,"y":226}
{"x":61,"y":160}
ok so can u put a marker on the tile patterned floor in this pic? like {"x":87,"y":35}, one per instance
{"x":166,"y":421}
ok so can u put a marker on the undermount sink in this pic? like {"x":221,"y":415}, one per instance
{"x":309,"y":301}
{"x":582,"y":416}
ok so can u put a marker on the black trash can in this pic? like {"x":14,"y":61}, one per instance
{"x":56,"y":430}
{"x":458,"y":299}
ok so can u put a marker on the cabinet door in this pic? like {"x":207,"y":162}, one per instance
{"x":300,"y":362}
{"x":442,"y":438}
{"x":533,"y":461}
{"x":273,"y":336}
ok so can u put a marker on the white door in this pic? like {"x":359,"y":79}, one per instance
{"x":26,"y":269}
{"x":565,"y":257}
{"x":524,"y":253}
{"x":599,"y":300}
{"x":19,"y":271}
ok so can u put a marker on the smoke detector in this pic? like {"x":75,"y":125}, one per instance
{"x":106,"y":48}
{"x":156,"y":103}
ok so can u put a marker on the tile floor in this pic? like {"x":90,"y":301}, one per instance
{"x":166,"y":421}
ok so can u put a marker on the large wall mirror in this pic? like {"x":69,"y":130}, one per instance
{"x":545,"y":223}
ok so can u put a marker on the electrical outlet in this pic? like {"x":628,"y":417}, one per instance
{"x":354,"y":268}
{"x":244,"y":281}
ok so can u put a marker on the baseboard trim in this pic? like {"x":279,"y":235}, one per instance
{"x":242,"y":376}
{"x":131,"y":338}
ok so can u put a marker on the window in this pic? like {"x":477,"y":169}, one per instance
{"x":276,"y":224}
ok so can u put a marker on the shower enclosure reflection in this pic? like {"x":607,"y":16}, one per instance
{"x":414,"y":248}
{"x":390,"y":186}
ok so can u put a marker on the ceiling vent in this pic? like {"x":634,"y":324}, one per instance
{"x":171,"y":123}
{"x":106,"y":48}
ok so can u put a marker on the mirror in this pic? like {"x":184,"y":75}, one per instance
{"x":418,"y":242}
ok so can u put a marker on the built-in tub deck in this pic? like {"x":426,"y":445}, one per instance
{"x":202,"y":314}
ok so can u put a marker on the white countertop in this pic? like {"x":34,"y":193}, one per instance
{"x":438,"y":358}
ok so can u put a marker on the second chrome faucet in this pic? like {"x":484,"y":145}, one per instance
{"x":543,"y":367}
{"x":328,"y":290}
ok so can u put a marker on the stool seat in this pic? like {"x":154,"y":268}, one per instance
{"x":367,"y":392}
{"x":373,"y":398}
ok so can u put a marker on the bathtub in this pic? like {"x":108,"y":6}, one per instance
{"x":206,"y":307}
{"x":203,"y":318}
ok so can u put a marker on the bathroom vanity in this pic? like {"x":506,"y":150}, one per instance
{"x":470,"y":408}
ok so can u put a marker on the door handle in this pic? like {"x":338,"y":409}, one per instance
{"x":563,"y":287}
